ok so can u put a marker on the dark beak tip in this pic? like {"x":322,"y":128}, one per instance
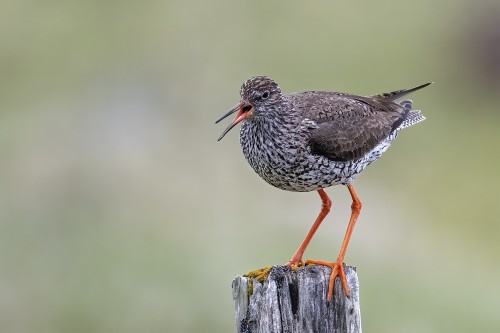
{"x":233,"y":110}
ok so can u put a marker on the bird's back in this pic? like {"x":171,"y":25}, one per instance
{"x":346,"y":127}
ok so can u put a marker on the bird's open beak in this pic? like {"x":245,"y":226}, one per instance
{"x":244,"y":111}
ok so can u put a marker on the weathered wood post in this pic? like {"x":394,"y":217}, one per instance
{"x":295,"y":302}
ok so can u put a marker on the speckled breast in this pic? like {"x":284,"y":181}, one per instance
{"x":286,"y":164}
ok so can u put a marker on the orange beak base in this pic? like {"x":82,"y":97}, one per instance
{"x":244,"y":109}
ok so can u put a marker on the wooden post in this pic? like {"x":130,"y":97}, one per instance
{"x":295,"y":302}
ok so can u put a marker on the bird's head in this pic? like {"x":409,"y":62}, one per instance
{"x":257,"y":95}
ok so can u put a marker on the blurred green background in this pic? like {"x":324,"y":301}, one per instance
{"x":119,"y":211}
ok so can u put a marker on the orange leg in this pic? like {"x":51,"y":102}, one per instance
{"x":337,"y":266}
{"x":325,"y":209}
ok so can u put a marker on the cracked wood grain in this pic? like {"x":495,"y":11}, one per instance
{"x":295,"y":302}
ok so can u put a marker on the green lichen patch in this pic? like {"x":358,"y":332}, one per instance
{"x":259,"y":274}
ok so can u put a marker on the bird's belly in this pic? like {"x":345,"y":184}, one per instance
{"x":293,"y":171}
{"x":298,"y":172}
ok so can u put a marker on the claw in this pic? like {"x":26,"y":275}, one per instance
{"x":337,"y":270}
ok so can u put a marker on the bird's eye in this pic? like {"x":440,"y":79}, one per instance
{"x":265,"y":95}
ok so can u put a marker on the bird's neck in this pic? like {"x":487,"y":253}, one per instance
{"x":272,"y":123}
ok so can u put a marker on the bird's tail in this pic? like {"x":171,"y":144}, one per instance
{"x":394,"y":95}
{"x":412,"y":117}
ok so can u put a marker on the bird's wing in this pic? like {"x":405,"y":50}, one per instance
{"x":348,"y":126}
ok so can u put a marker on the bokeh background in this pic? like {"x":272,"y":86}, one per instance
{"x":119,"y":211}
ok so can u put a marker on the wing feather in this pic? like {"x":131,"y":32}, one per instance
{"x":349,"y":126}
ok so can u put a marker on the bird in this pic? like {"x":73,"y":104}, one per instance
{"x":308,"y":141}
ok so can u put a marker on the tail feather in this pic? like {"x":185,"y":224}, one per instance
{"x":413,"y":117}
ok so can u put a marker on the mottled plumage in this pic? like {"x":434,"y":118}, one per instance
{"x":311,"y":140}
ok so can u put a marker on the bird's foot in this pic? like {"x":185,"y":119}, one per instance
{"x":295,"y":263}
{"x":337,"y":270}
